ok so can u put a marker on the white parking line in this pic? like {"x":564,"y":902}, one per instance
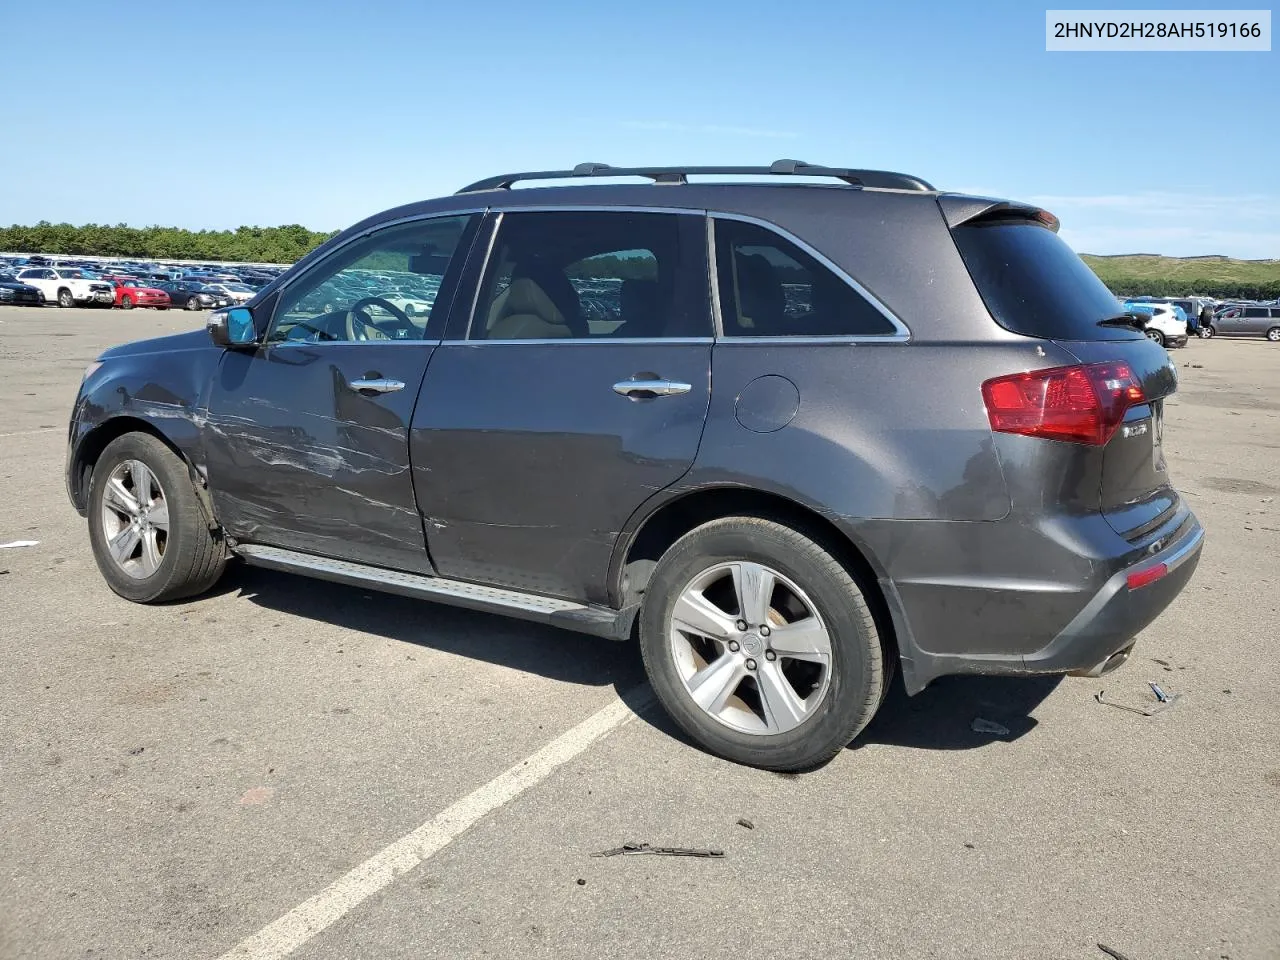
{"x":283,"y":936}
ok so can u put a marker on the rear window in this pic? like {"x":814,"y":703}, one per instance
{"x":1034,"y":284}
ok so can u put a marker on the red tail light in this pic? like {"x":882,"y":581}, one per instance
{"x":1081,"y":404}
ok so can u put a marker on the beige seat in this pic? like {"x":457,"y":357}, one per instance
{"x":524,"y":312}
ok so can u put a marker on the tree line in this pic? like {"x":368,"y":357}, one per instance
{"x":283,"y":244}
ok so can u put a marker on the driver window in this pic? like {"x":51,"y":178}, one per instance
{"x":382,"y":287}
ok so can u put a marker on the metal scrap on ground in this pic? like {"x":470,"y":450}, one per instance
{"x":635,"y":848}
{"x":1164,"y":701}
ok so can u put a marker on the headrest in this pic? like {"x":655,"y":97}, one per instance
{"x":525,"y":296}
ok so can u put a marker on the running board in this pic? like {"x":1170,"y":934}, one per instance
{"x":584,"y":618}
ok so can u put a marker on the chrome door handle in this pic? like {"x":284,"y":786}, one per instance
{"x":381,"y":385}
{"x":654,"y":388}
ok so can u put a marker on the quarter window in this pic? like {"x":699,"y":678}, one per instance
{"x":769,"y":287}
{"x":594,"y":274}
{"x":381,"y":287}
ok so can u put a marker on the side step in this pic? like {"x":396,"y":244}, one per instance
{"x":584,"y":618}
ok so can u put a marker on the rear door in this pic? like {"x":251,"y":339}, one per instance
{"x":576,"y":389}
{"x":1255,"y":321}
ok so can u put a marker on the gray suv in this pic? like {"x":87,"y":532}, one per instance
{"x":790,"y":437}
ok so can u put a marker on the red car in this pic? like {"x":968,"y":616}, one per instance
{"x":132,"y":292}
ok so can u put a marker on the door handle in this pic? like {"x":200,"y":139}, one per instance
{"x":380,"y":385}
{"x":644,"y":389}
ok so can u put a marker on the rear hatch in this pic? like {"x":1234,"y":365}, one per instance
{"x":1035,"y":285}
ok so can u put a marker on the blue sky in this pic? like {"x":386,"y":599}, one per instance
{"x":320,"y":112}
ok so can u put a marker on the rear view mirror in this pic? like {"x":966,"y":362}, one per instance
{"x":232,"y":328}
{"x":431,"y":264}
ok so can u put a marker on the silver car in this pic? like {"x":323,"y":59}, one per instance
{"x":1245,"y":321}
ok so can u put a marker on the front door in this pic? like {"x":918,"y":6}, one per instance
{"x":308,"y":443}
{"x":576,"y":390}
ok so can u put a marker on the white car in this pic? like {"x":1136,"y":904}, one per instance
{"x":237,"y":292}
{"x":1163,"y":325}
{"x":408,"y":304}
{"x":66,"y":287}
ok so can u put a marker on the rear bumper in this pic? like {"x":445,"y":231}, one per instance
{"x":1094,"y":636}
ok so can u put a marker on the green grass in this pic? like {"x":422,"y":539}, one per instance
{"x":1138,"y":274}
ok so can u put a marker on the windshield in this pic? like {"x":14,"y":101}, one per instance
{"x":1034,"y":284}
{"x":239,"y":287}
{"x":71,"y":274}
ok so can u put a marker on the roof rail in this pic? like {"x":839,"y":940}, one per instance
{"x":667,"y":175}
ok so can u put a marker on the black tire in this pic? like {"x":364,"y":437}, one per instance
{"x":126,"y":302}
{"x":1274,"y":334}
{"x":65,"y":299}
{"x":1156,"y":337}
{"x":194,"y":554}
{"x":857,"y":671}
{"x":192,"y":304}
{"x":1207,"y":332}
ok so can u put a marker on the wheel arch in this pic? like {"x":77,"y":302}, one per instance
{"x":90,"y":448}
{"x":638,"y":553}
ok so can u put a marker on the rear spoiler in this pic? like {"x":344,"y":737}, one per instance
{"x":958,"y":209}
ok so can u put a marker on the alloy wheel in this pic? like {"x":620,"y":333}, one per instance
{"x":135,"y":519}
{"x":750,"y":648}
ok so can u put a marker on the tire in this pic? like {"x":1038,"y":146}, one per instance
{"x":192,"y":304}
{"x":126,"y":302}
{"x":1155,"y":336}
{"x":410,"y":311}
{"x":1207,"y":332}
{"x":1274,"y":334}
{"x":65,"y":299}
{"x":840,"y":702}
{"x":187,"y":560}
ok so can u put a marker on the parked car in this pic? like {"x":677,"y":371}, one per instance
{"x":67,"y":286}
{"x":234,"y":292}
{"x":131,"y":292}
{"x":960,"y":472}
{"x":1166,"y":324}
{"x":1245,"y":321}
{"x":16,"y":293}
{"x":193,"y":295}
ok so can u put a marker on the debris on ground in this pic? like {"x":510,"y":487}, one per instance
{"x":581,"y":882}
{"x":3,"y":572}
{"x":980,"y":725}
{"x":1112,"y":952}
{"x":744,"y":822}
{"x":636,"y":848}
{"x":1163,"y":702}
{"x":1160,"y":694}
{"x":19,"y":543}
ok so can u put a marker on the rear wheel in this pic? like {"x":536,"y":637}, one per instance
{"x":1206,"y":332}
{"x":761,"y":645}
{"x":150,"y":537}
{"x":65,"y":299}
{"x":126,"y":302}
{"x":1155,"y":336}
{"x":1274,"y":334}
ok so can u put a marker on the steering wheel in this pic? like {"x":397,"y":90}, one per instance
{"x":361,"y":327}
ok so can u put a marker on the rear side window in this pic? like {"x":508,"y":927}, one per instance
{"x":1254,"y":313}
{"x":1035,"y":285}
{"x":769,"y":287}
{"x":594,"y":275}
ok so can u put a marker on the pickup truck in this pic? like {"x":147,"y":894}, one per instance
{"x":67,"y":287}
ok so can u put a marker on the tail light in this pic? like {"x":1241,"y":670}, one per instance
{"x":1080,"y":404}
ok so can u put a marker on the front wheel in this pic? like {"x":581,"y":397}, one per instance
{"x":126,"y":302}
{"x":1206,"y":333}
{"x":192,"y":303}
{"x":1274,"y":334}
{"x":65,"y":299}
{"x":150,"y":537}
{"x":1155,"y":336}
{"x":761,"y":645}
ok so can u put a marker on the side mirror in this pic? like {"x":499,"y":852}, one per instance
{"x":232,"y":328}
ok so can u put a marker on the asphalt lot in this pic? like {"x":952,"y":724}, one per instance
{"x":175,"y":779}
